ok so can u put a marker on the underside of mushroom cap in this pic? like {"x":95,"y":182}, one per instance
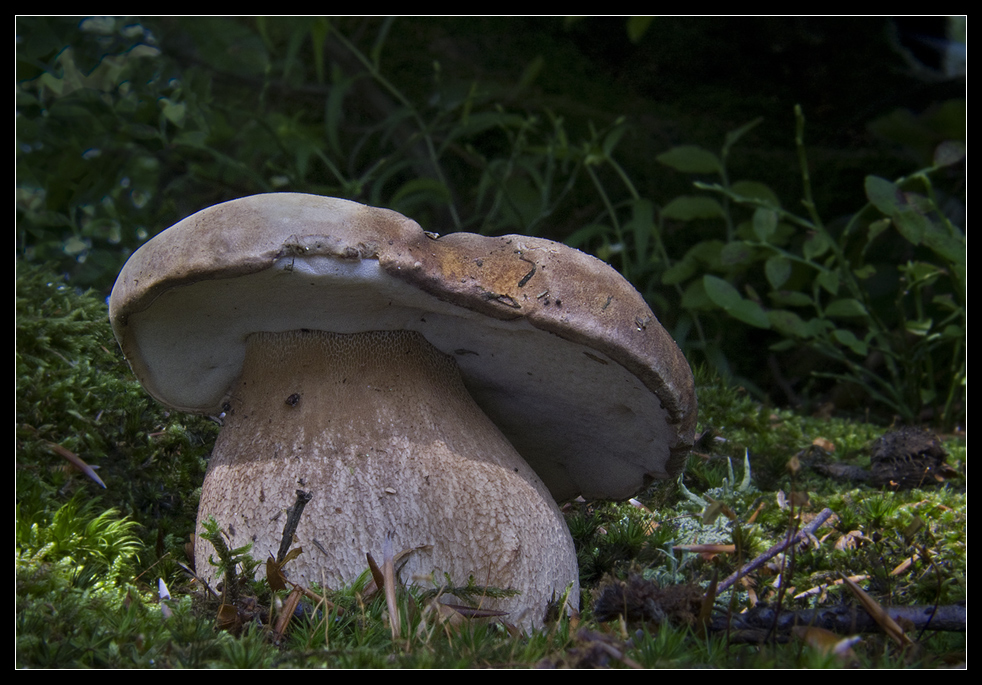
{"x":555,"y":346}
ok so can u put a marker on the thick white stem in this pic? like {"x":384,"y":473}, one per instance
{"x":379,"y":428}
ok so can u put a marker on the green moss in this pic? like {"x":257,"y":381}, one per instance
{"x":75,"y":393}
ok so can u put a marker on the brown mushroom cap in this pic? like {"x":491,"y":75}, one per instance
{"x":554,"y":345}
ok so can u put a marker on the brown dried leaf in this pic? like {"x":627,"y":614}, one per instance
{"x":228,"y":619}
{"x":753,"y":516}
{"x":827,"y":642}
{"x":799,"y":498}
{"x":274,"y":575}
{"x":389,"y":579}
{"x":707,"y":548}
{"x":76,"y":461}
{"x":874,"y":609}
{"x":286,"y":613}
{"x":376,"y":571}
{"x":851,"y":540}
{"x":905,"y":565}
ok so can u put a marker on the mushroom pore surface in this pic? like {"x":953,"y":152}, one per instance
{"x":379,"y":428}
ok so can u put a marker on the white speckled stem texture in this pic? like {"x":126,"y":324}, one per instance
{"x":379,"y":428}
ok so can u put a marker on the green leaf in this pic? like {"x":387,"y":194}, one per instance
{"x":953,"y":332}
{"x":695,"y":298}
{"x":750,"y":313}
{"x":691,"y":159}
{"x":612,"y":139}
{"x":75,"y":246}
{"x":846,"y":307}
{"x":911,"y":224}
{"x":583,"y":236}
{"x":334,"y":111}
{"x":678,"y":272}
{"x":174,"y":111}
{"x":765,"y":223}
{"x":884,"y":194}
{"x":531,"y":72}
{"x":948,"y":153}
{"x":756,"y":190}
{"x":789,"y":323}
{"x":642,"y":226}
{"x":790,"y":298}
{"x":849,"y":339}
{"x":950,"y":246}
{"x":778,"y":271}
{"x":725,"y":296}
{"x":318,"y":32}
{"x":425,"y":187}
{"x":945,"y":301}
{"x":864,"y":272}
{"x":921,"y":273}
{"x":736,"y":253}
{"x":921,"y":327}
{"x":816,"y":245}
{"x":829,"y":280}
{"x":689,"y":207}
{"x":784,"y":345}
{"x":733,"y":136}
{"x":874,"y":230}
{"x":706,"y":252}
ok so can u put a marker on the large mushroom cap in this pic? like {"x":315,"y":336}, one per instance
{"x":553,"y":344}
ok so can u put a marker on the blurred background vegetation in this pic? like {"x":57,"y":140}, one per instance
{"x":817,"y":258}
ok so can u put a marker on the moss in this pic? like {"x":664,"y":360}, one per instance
{"x":76,"y":394}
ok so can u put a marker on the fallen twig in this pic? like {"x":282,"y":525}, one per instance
{"x":803,"y":534}
{"x":754,"y":625}
{"x":293,"y":519}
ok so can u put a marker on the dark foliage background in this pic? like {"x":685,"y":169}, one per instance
{"x":546,"y":126}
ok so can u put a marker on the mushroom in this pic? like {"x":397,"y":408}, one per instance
{"x":444,"y":391}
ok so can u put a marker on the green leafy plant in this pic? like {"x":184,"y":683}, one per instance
{"x":234,"y":566}
{"x":467,"y":159}
{"x":121,"y":134}
{"x":728,"y":487}
{"x":72,"y":569}
{"x":98,"y":549}
{"x":895,"y":330}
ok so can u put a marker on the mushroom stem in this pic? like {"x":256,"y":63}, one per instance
{"x":379,"y":428}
